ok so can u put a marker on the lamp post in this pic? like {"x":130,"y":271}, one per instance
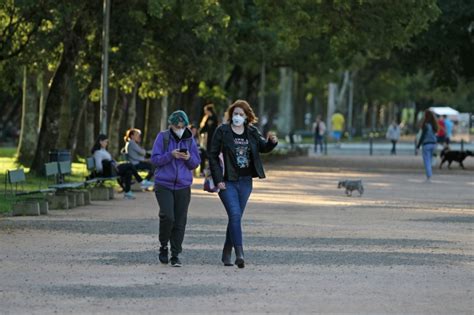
{"x":104,"y":80}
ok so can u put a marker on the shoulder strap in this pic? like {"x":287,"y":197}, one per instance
{"x":166,"y":140}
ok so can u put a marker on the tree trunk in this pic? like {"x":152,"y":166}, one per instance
{"x":164,"y":113}
{"x":66,"y":113}
{"x":49,"y":133}
{"x":147,"y":119}
{"x":78,"y":117}
{"x":114,"y":127}
{"x":285,"y":104}
{"x":342,"y":91}
{"x":261,"y":95}
{"x":373,"y":116}
{"x":89,"y":128}
{"x":152,"y":129}
{"x":132,"y":107}
{"x":332,"y":90}
{"x":29,"y":120}
{"x":350,"y":105}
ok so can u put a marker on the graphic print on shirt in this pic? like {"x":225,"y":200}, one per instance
{"x":242,"y":152}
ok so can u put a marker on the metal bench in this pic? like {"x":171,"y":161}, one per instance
{"x":61,"y":168}
{"x":17,"y":177}
{"x":93,"y":178}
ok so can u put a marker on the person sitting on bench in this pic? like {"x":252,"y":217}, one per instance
{"x":137,"y":155}
{"x":106,"y":166}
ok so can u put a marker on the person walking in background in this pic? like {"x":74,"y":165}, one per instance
{"x":175,"y":155}
{"x":393,"y":134}
{"x":207,"y":127}
{"x":429,"y":127}
{"x":106,"y":166}
{"x":202,"y":151}
{"x":136,"y":155}
{"x":441,"y":134}
{"x":241,"y":144}
{"x":319,"y":129}
{"x":448,"y":124}
{"x":337,"y":122}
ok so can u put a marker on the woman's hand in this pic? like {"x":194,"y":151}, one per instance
{"x":272,"y":137}
{"x":185,"y":156}
{"x":181,"y":155}
{"x":221,"y":186}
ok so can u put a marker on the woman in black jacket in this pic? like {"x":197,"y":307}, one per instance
{"x":241,"y":144}
{"x":207,"y":127}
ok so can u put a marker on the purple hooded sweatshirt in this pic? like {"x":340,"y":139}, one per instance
{"x":174,"y":173}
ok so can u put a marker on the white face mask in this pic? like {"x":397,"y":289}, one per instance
{"x":179,"y":132}
{"x":238,"y":120}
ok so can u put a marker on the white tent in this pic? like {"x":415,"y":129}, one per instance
{"x":448,"y":111}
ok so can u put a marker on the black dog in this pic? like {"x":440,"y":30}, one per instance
{"x":450,"y":156}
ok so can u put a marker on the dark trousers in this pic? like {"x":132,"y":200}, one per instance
{"x":394,"y":147}
{"x":173,"y":216}
{"x":203,"y":155}
{"x":125,"y":171}
{"x":145,"y":166}
{"x":318,"y":140}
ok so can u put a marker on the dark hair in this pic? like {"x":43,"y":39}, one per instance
{"x":96,"y":146}
{"x":430,"y":119}
{"x":210,"y":107}
{"x":251,"y":118}
{"x":130,"y":132}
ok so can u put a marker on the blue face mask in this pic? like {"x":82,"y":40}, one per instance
{"x":238,"y":120}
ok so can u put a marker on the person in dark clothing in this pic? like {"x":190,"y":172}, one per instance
{"x":429,"y":127}
{"x":175,"y":155}
{"x":319,"y":129}
{"x":207,"y":127}
{"x":241,"y":144}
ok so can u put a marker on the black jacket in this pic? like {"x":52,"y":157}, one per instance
{"x":223,"y":141}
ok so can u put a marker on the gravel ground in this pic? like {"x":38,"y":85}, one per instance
{"x":403,"y":247}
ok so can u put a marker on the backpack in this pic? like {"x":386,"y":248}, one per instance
{"x":166,"y":140}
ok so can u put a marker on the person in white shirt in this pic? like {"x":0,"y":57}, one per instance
{"x":393,"y":134}
{"x":106,"y":166}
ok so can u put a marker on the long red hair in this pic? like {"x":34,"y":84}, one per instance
{"x":430,"y":118}
{"x":251,"y":118}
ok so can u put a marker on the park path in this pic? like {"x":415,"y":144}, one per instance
{"x":404,"y":247}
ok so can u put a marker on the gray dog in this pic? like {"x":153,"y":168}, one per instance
{"x":352,"y":185}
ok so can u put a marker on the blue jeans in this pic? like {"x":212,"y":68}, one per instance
{"x":235,"y":198}
{"x":318,"y":140}
{"x":428,"y":150}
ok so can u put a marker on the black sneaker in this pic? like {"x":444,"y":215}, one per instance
{"x":163,"y":256}
{"x":175,"y":262}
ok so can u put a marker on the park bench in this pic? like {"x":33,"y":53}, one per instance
{"x":99,"y":191}
{"x":25,"y":202}
{"x":75,"y":192}
{"x":60,"y":170}
{"x":92,"y":177}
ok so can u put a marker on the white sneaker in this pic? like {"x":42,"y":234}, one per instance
{"x":129,"y":195}
{"x":146,"y":184}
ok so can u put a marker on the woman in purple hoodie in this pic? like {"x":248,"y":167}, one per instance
{"x":175,"y":155}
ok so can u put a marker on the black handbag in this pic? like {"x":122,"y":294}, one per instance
{"x":109,"y":168}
